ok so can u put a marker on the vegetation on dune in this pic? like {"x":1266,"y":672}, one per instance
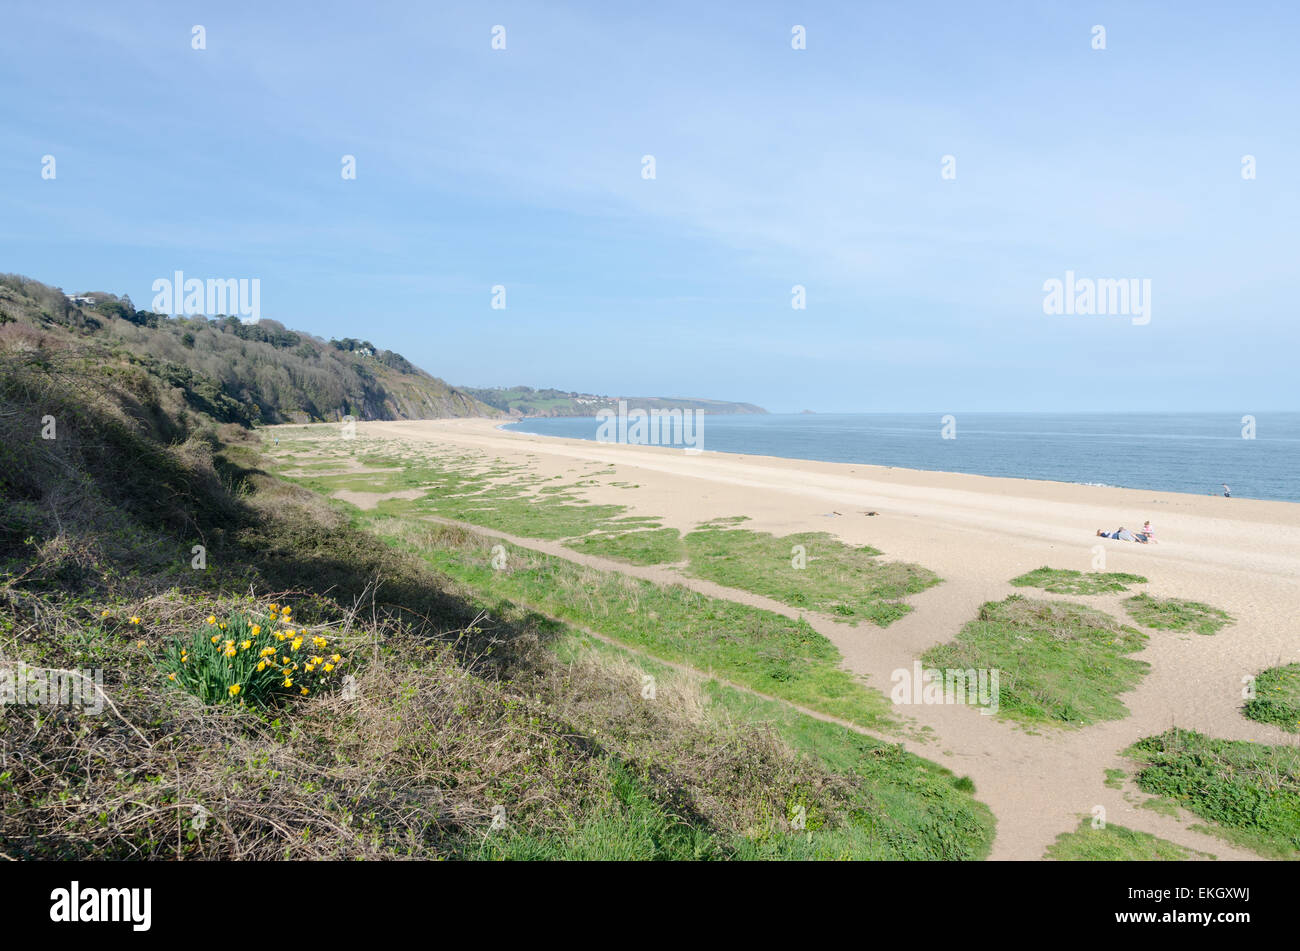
{"x":472,"y":728}
{"x":1113,"y":843}
{"x":1248,"y":792}
{"x":1277,"y":698}
{"x":811,"y":570}
{"x":1067,"y":581}
{"x":767,"y":652}
{"x":1174,"y":614}
{"x":651,"y":547}
{"x":1058,"y":663}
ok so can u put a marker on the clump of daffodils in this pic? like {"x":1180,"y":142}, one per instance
{"x":248,"y":659}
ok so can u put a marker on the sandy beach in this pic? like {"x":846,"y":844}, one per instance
{"x":977,"y":533}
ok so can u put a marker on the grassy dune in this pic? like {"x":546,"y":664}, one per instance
{"x":1059,"y":663}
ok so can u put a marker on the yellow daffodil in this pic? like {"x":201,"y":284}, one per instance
{"x":287,"y":611}
{"x":297,"y":643}
{"x":215,"y":638}
{"x":274,"y":608}
{"x":171,"y":676}
{"x":234,"y":690}
{"x":304,"y":691}
{"x":139,"y":643}
{"x":212,"y":619}
{"x":135,"y":620}
{"x":261,"y":666}
{"x":337,"y":658}
{"x":328,"y":668}
{"x":104,"y":613}
{"x":288,"y":681}
{"x":245,"y":645}
{"x":257,"y":629}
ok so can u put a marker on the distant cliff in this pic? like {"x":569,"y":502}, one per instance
{"x":526,"y":401}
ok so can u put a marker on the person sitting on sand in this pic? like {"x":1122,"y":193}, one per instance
{"x":1148,"y":534}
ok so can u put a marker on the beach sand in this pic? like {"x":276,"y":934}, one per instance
{"x":977,"y":533}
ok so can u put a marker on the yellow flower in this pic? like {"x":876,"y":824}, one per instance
{"x":212,"y":619}
{"x":267,"y":652}
{"x":257,"y":629}
{"x":171,"y":676}
{"x":304,"y":691}
{"x":139,"y":643}
{"x":245,"y":645}
{"x":287,"y":611}
{"x":274,"y":608}
{"x":288,"y":681}
{"x":318,"y":660}
{"x":337,"y":658}
{"x":104,"y":613}
{"x":230,"y":652}
{"x":261,"y":666}
{"x":234,"y":690}
{"x":319,"y":642}
{"x":222,"y":625}
{"x":135,"y":620}
{"x":215,"y":638}
{"x":285,"y":660}
{"x":328,"y":668}
{"x":309,"y":668}
{"x":297,"y":643}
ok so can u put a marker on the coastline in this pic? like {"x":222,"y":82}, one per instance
{"x":977,"y":533}
{"x":1052,"y":477}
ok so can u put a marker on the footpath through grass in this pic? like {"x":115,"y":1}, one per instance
{"x":1058,"y":663}
{"x":767,"y":652}
{"x":811,"y":570}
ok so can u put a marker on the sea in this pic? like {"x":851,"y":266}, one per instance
{"x":1257,"y":456}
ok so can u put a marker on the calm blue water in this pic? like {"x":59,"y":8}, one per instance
{"x":1171,"y":452}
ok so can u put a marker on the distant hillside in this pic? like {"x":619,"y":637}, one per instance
{"x":233,"y":371}
{"x":526,"y":401}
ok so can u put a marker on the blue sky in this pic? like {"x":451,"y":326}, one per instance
{"x":775,"y":167}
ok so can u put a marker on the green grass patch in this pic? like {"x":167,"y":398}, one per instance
{"x":1173,"y":614}
{"x":1115,"y":778}
{"x":1058,"y":663}
{"x":1117,"y":844}
{"x":653,"y":547}
{"x":1067,"y":581}
{"x":1248,"y":792}
{"x":904,"y":807}
{"x":768,"y":652}
{"x":835,"y":579}
{"x":1277,"y":698}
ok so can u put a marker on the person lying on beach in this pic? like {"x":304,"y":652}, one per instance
{"x":1122,"y":533}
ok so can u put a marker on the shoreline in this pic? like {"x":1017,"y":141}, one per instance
{"x":500,"y":427}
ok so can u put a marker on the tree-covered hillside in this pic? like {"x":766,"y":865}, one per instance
{"x":231,"y":370}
